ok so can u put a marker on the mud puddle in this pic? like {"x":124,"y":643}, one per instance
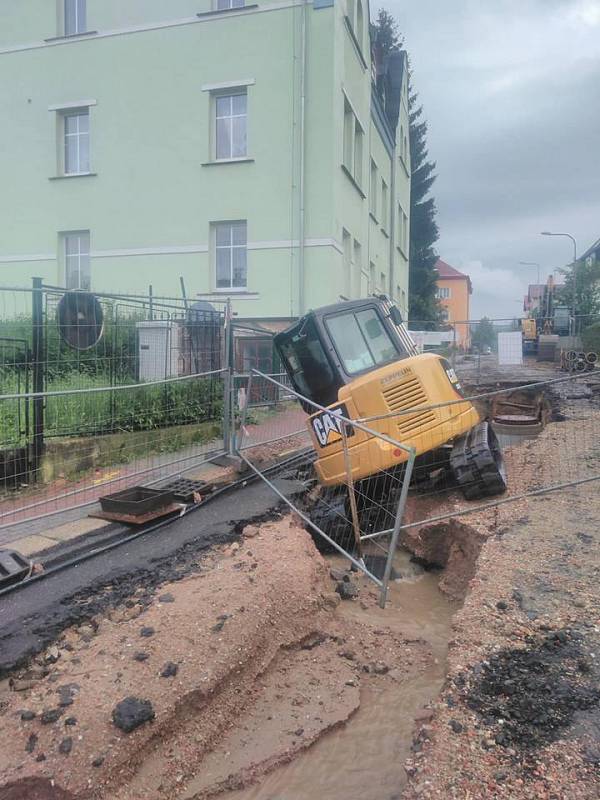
{"x":365,"y":757}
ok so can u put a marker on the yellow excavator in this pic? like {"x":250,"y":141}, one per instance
{"x":357,"y":360}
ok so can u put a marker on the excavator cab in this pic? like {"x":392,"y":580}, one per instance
{"x":332,"y":346}
{"x":357,"y":360}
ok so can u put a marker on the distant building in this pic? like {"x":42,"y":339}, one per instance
{"x":534,"y":298}
{"x":454,"y":290}
{"x":539,"y":298}
{"x":592,"y":254}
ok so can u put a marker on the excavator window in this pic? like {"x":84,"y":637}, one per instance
{"x":361,"y":340}
{"x":308,"y":365}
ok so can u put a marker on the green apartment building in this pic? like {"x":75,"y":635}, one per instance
{"x":256,"y":151}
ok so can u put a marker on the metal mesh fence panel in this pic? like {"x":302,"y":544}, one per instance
{"x":477,"y":456}
{"x":98,"y":391}
{"x":532,"y":438}
{"x":152,"y":432}
{"x":343,"y":504}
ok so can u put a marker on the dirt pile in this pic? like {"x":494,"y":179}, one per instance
{"x":260,"y":664}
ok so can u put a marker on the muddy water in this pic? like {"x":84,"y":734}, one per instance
{"x":365,"y":758}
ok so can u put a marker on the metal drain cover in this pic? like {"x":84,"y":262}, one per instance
{"x":183,"y":489}
{"x":13,"y":568}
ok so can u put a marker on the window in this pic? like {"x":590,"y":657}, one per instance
{"x":231,"y":118}
{"x":76,"y":254}
{"x":348,"y":136}
{"x":231,"y":255}
{"x":374,"y":188}
{"x":347,"y":247}
{"x":358,"y":153}
{"x":353,"y":144}
{"x":384,"y":206}
{"x":223,"y":5}
{"x":361,"y":340}
{"x":372,"y":285}
{"x":357,"y":267}
{"x":442,"y":293}
{"x":75,"y":17}
{"x":445,"y":315}
{"x":360,"y":24}
{"x":307,"y":364}
{"x":76,"y":134}
{"x":402,"y":230}
{"x":382,"y":281}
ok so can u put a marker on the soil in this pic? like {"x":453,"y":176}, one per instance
{"x":519,"y":716}
{"x":266,"y":663}
{"x":251,"y":661}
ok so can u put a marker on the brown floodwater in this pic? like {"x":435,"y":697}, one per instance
{"x":365,"y":758}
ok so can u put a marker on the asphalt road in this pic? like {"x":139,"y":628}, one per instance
{"x":32,"y":617}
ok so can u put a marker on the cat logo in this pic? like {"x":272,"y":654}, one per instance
{"x":453,"y":377}
{"x":327,"y":425}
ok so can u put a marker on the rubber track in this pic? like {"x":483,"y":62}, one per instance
{"x":477,"y":463}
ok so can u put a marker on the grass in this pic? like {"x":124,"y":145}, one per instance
{"x":95,"y":414}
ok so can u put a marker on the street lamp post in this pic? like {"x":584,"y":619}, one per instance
{"x":572,"y":238}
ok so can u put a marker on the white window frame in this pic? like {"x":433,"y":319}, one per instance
{"x":359,"y":148}
{"x":231,"y":247}
{"x":443,"y":293}
{"x":79,"y":6}
{"x":385,"y":205}
{"x":372,"y":278}
{"x":81,"y":136}
{"x":238,"y":91}
{"x":373,"y":190}
{"x":82,"y":259}
{"x":227,"y":5}
{"x":402,"y":244}
{"x":353,"y":154}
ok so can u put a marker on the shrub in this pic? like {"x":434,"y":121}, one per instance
{"x":591,"y":338}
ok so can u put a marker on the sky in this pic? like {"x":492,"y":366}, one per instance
{"x":511,"y":92}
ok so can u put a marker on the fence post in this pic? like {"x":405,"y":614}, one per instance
{"x":228,"y":406}
{"x":453,"y":357}
{"x":351,"y":494}
{"x":37,"y":321}
{"x":397,"y":525}
{"x":243,"y":417}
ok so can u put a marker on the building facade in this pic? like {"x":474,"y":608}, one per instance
{"x":454,"y":290}
{"x":254,"y":151}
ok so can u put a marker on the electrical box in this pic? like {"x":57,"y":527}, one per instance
{"x":159,"y":350}
{"x":510,"y":348}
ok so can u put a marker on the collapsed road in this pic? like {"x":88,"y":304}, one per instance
{"x":32,"y":616}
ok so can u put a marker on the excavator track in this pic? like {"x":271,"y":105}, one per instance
{"x":477,"y":463}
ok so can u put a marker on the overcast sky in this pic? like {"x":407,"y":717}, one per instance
{"x":511,"y":90}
